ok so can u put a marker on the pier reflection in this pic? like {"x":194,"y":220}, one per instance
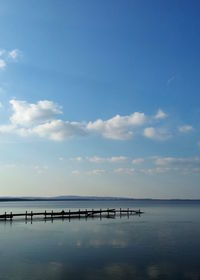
{"x":162,"y":244}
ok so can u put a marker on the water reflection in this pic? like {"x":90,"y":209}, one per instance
{"x":152,"y":246}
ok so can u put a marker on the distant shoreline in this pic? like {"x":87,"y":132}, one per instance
{"x":79,"y":198}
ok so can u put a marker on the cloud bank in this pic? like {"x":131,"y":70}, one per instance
{"x":41,"y":119}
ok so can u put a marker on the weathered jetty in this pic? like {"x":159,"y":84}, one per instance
{"x":107,"y":213}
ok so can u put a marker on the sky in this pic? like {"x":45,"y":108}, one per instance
{"x":100,"y":98}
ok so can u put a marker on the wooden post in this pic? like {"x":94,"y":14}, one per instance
{"x":26,"y":216}
{"x":31,"y":215}
{"x":45,"y":215}
{"x":128,"y":213}
{"x":108,"y":212}
{"x":69,"y":215}
{"x":79,"y":214}
{"x":120,"y":212}
{"x":5,"y":216}
{"x":100,"y":214}
{"x":86,"y":213}
{"x":11,"y":216}
{"x":52,"y":216}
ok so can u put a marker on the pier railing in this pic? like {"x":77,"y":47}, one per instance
{"x":108,"y":213}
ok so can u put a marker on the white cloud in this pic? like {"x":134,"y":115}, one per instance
{"x":75,"y":172}
{"x":7,"y":57}
{"x":185,"y":128}
{"x":156,"y":133}
{"x":26,"y":114}
{"x":161,"y":165}
{"x":160,"y":115}
{"x":7,"y":128}
{"x":118,"y":127}
{"x":128,"y":171}
{"x":178,"y":162}
{"x":40,"y":119}
{"x":14,"y":54}
{"x":2,"y":64}
{"x":137,"y":160}
{"x":155,"y":170}
{"x":117,"y":159}
{"x":40,"y":169}
{"x":77,"y":159}
{"x":96,"y":159}
{"x":59,"y":130}
{"x":96,"y":172}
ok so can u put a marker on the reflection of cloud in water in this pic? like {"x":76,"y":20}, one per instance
{"x":118,"y":271}
{"x":96,"y":243}
{"x":78,"y":243}
{"x":153,"y":271}
{"x":163,"y":269}
{"x":168,"y":270}
{"x":115,"y":271}
{"x":32,"y":271}
{"x":111,"y":242}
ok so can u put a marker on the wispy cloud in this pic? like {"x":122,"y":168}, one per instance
{"x":184,"y":165}
{"x":79,"y":159}
{"x":121,"y":170}
{"x":40,"y":169}
{"x":96,"y":172}
{"x":2,"y":64}
{"x":170,"y":80}
{"x":7,"y":57}
{"x":14,"y":54}
{"x":160,"y":115}
{"x":178,"y":162}
{"x":185,"y":128}
{"x":138,"y":161}
{"x":118,"y":159}
{"x":75,"y":172}
{"x":155,"y":170}
{"x":159,"y":134}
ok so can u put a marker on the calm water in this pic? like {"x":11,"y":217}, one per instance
{"x":163,"y":243}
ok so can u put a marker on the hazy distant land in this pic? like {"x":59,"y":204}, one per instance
{"x":86,"y":198}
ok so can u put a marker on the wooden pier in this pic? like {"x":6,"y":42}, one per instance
{"x":107,"y":213}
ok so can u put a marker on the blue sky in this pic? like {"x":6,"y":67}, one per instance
{"x":100,"y":98}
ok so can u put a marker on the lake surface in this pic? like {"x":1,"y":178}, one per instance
{"x":162,"y":243}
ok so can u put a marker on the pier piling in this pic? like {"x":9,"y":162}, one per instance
{"x":109,"y":213}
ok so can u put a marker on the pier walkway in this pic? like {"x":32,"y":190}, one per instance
{"x":108,"y":213}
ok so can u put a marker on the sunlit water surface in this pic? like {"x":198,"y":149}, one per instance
{"x":163,"y":243}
